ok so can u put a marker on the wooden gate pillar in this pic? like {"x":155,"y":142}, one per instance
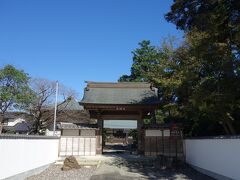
{"x":140,"y":136}
{"x":153,"y":118}
{"x":99,"y":148}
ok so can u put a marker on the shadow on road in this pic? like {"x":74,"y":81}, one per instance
{"x":125,"y":166}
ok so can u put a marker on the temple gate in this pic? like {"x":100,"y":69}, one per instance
{"x":121,"y":101}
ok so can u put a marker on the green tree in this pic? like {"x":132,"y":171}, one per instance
{"x":144,"y":59}
{"x":188,"y":89}
{"x":156,"y":65}
{"x":218,"y":18}
{"x":198,"y":80}
{"x":212,"y":34}
{"x":14,"y":89}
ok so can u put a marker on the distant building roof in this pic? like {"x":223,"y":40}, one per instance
{"x":68,"y":111}
{"x":18,"y":128}
{"x":16,"y":115}
{"x":120,"y":93}
{"x":70,"y":104}
{"x":75,"y":126}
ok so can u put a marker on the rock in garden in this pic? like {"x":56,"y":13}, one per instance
{"x":70,"y":163}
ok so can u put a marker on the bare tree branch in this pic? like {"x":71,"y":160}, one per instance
{"x":43,"y":104}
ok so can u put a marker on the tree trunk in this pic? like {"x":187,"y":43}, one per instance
{"x":228,"y":121}
{"x":34,"y":129}
{"x":225,"y":128}
{"x":227,"y":124}
{"x":1,"y":121}
{"x":230,"y":127}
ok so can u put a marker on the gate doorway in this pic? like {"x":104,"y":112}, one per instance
{"x":119,"y":136}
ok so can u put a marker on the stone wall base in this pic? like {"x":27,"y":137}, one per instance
{"x":24,"y":175}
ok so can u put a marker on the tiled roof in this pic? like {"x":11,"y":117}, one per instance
{"x":19,"y":127}
{"x":69,"y":111}
{"x":120,"y":93}
{"x":14,"y":115}
{"x":70,"y":104}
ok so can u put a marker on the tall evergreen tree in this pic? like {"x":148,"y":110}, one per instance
{"x":212,"y":30}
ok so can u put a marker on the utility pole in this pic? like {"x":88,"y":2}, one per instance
{"x":55,"y":110}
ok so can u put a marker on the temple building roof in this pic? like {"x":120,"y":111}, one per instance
{"x":123,"y":93}
{"x":70,"y":104}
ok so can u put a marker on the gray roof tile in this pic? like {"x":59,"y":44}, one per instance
{"x":120,"y":93}
{"x":70,"y":104}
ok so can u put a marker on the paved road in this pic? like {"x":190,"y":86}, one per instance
{"x":107,"y":172}
{"x":139,"y":168}
{"x":119,"y":167}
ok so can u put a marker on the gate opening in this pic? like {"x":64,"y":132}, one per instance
{"x":120,"y":136}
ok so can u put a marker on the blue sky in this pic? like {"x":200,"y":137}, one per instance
{"x":77,"y":40}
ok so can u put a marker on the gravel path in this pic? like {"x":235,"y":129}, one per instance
{"x":54,"y":172}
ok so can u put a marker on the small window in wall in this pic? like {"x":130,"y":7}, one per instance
{"x":87,"y":132}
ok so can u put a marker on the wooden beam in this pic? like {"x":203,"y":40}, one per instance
{"x":115,"y":107}
{"x":120,"y":117}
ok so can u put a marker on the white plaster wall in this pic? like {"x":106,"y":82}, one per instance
{"x":21,"y":155}
{"x":220,"y":156}
{"x":70,"y":132}
{"x":50,"y":133}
